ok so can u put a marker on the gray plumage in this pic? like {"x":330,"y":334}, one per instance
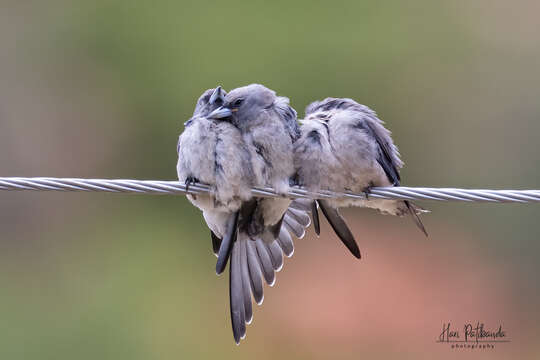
{"x":227,"y":243}
{"x":301,"y":217}
{"x":232,"y":146}
{"x":236,"y":291}
{"x":294,"y":226}
{"x":214,"y":153}
{"x":246,"y":282}
{"x":301,"y":204}
{"x":315,"y":216}
{"x":276,"y":255}
{"x":285,"y":242}
{"x":268,"y":128}
{"x":255,"y":272}
{"x":265,"y":261}
{"x":340,"y":227}
{"x":345,"y":147}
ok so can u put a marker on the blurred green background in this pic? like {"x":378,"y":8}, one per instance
{"x":101,"y":89}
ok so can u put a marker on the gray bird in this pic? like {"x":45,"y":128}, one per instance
{"x":269,"y":128}
{"x":232,"y":148}
{"x":345,"y":147}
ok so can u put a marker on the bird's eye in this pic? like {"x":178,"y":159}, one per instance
{"x":238,"y":102}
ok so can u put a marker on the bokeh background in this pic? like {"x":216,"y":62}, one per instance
{"x":101,"y":89}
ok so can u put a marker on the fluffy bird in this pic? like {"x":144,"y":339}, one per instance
{"x":233,"y":142}
{"x":345,"y":147}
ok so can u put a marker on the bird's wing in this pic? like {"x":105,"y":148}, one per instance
{"x":388,"y":154}
{"x":388,"y":158}
{"x":288,"y":116}
{"x":385,"y":156}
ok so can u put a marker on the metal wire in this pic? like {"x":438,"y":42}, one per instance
{"x":159,"y":187}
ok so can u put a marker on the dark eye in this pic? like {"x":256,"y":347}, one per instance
{"x":238,"y":102}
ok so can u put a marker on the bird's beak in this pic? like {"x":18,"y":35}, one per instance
{"x":217,"y":94}
{"x":220,"y":113}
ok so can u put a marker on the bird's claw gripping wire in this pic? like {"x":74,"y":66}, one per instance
{"x":190,"y":180}
{"x":367,"y":190}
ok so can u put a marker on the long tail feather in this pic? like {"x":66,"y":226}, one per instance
{"x":414,"y":210}
{"x":227,"y":243}
{"x":315,"y":216}
{"x":300,"y":216}
{"x":265,"y":262}
{"x":216,"y":242}
{"x":255,"y":274}
{"x":276,"y":255}
{"x":248,"y":309}
{"x":340,"y":227}
{"x":293,"y":226}
{"x":236,"y":297}
{"x":301,"y":204}
{"x":285,"y":242}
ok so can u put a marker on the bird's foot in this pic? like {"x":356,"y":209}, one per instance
{"x":367,"y":189}
{"x":191,"y":180}
{"x":294,"y":180}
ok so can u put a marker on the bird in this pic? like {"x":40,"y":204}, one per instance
{"x":232,"y":143}
{"x":344,"y":146}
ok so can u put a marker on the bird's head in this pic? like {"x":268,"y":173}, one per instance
{"x":243,"y":105}
{"x":210,"y":100}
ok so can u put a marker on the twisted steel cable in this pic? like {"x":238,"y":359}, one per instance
{"x":161,"y":187}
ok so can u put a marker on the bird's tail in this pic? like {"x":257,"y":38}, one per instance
{"x":296,"y":222}
{"x":301,"y":204}
{"x":315,"y":217}
{"x":339,"y":225}
{"x":251,"y":261}
{"x":416,"y":210}
{"x":307,"y":206}
{"x":227,"y":242}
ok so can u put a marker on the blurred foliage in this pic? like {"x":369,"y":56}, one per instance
{"x":101,"y":89}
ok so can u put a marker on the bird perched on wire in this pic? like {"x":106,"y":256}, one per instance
{"x":345,"y":147}
{"x":234,"y":142}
